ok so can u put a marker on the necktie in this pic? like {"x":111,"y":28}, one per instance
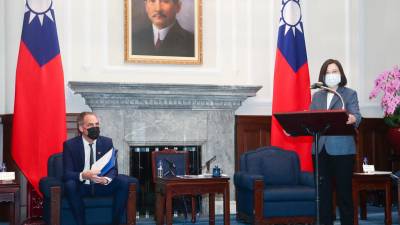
{"x":91,"y":156}
{"x":91,"y":163}
{"x":158,"y":43}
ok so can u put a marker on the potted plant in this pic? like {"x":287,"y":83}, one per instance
{"x":388,"y":82}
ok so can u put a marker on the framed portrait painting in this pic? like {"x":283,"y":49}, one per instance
{"x":163,"y":31}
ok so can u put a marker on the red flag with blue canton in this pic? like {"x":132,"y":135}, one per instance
{"x":39,"y":127}
{"x":291,"y":80}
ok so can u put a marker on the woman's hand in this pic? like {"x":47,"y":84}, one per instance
{"x":351,"y":119}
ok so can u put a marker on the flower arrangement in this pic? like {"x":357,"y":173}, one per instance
{"x":389,"y":83}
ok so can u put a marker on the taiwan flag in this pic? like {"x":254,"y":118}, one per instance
{"x":291,"y":80}
{"x":39,"y":127}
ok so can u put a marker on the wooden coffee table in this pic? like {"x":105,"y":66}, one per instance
{"x":9,"y":192}
{"x":167,"y":188}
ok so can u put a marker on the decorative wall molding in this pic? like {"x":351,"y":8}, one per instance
{"x":163,"y":96}
{"x":167,"y":143}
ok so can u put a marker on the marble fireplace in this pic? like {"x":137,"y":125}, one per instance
{"x":135,"y":114}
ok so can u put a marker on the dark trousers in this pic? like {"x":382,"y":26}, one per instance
{"x":337,"y":168}
{"x":76,"y":190}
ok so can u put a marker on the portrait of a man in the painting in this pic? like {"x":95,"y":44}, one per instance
{"x":163,"y":35}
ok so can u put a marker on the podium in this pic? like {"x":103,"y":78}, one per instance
{"x":315,"y":123}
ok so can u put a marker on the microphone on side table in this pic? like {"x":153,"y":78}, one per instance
{"x":208,"y":163}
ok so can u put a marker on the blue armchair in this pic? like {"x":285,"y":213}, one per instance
{"x":98,"y":209}
{"x":270,"y":188}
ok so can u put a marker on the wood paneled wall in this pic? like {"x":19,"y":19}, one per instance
{"x":251,"y":132}
{"x":254,"y":131}
{"x":7,"y":131}
{"x":28,"y":195}
{"x":373,"y":144}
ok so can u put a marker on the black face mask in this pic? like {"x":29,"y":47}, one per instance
{"x":93,"y":132}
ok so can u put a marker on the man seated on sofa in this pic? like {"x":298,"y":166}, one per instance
{"x":79,"y":154}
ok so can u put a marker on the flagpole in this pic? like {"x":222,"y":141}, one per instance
{"x":316,"y":139}
{"x":291,"y":82}
{"x":316,"y":136}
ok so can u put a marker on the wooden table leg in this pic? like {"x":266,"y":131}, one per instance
{"x":12,"y":213}
{"x":226,"y":205}
{"x":14,"y":208}
{"x":363,"y":205}
{"x":168,"y":208}
{"x":398,"y":200}
{"x":355,"y":203}
{"x":193,"y":209}
{"x":388,"y":202}
{"x":17,"y":206}
{"x":160,"y":208}
{"x":131,"y":206}
{"x":211,"y":202}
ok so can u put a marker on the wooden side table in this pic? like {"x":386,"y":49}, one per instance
{"x":167,"y":188}
{"x":9,"y":192}
{"x":380,"y":180}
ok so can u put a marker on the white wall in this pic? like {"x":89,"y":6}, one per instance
{"x":12,"y":26}
{"x":2,"y":59}
{"x":239,"y":42}
{"x":381,"y":46}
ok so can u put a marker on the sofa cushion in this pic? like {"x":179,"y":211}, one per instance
{"x":277,"y":166}
{"x":281,"y":193}
{"x":282,"y":169}
{"x":90,"y":202}
{"x":97,"y":212}
{"x":289,"y":209}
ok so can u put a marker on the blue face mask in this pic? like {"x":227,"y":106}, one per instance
{"x":332,"y":79}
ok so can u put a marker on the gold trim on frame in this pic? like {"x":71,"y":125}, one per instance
{"x":150,"y":59}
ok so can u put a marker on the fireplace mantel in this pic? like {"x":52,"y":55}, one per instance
{"x":163,"y":96}
{"x":135,"y":114}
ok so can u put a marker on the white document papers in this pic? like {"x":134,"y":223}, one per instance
{"x":7,"y":176}
{"x":368,"y":168}
{"x":105,"y":163}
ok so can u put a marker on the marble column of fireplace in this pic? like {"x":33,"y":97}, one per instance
{"x":168,"y":114}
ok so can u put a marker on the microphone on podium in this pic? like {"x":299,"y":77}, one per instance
{"x":316,"y":85}
{"x":320,"y":85}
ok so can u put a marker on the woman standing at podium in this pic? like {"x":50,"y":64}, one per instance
{"x":336,"y":153}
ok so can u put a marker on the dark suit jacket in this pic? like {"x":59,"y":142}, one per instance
{"x":74,"y":156}
{"x":178,"y":42}
{"x":338,"y":145}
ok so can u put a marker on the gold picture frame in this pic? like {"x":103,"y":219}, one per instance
{"x":182,"y":43}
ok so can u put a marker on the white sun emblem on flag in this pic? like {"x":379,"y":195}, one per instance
{"x":39,"y":8}
{"x":291,"y":16}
